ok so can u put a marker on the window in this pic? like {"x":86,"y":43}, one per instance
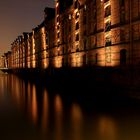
{"x":77,"y":26}
{"x":106,"y":1}
{"x":57,"y":19}
{"x":122,"y":16}
{"x":108,"y":41}
{"x":108,"y":11}
{"x":58,"y":35}
{"x":57,"y":27}
{"x":77,"y":15}
{"x":76,"y":5}
{"x":77,"y":37}
{"x":77,"y":48}
{"x":107,"y":26}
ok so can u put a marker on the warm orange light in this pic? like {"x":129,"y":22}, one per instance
{"x":107,"y":128}
{"x":58,"y":104}
{"x":34,"y":105}
{"x":45,"y":110}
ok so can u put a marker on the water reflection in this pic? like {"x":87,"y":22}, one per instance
{"x":77,"y":120}
{"x":107,"y":128}
{"x":58,"y":105}
{"x":34,"y":108}
{"x":45,"y":111}
{"x":18,"y":90}
{"x":56,"y":118}
{"x":3,"y":80}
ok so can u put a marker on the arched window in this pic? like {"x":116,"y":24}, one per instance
{"x":123,"y":53}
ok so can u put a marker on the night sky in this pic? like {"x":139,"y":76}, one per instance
{"x":18,"y":16}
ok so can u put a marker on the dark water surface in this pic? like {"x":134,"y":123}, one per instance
{"x":31,"y":111}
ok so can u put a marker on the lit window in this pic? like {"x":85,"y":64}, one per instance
{"x":77,"y":15}
{"x":108,"y":41}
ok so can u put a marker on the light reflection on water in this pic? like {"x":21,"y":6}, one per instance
{"x":107,"y":128}
{"x":54,"y":119}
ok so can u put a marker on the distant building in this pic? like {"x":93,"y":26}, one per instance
{"x":2,"y":63}
{"x":7,"y":60}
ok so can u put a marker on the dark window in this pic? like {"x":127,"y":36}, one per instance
{"x":77,"y":4}
{"x":76,"y":15}
{"x":122,"y":16}
{"x":58,"y":35}
{"x":107,"y":11}
{"x":106,"y":1}
{"x":123,"y":57}
{"x":77,"y":37}
{"x":77,"y":26}
{"x":57,"y":19}
{"x":77,"y":50}
{"x":108,"y":41}
{"x":107,"y":26}
{"x":57,"y":27}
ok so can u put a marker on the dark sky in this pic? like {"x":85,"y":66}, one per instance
{"x":18,"y":16}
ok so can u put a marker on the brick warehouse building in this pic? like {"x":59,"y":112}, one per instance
{"x":80,"y":33}
{"x":98,"y":32}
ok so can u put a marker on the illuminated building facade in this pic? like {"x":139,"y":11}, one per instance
{"x":80,"y":33}
{"x":98,"y":32}
{"x":2,"y":63}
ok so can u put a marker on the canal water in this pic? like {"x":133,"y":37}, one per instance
{"x":32,"y":109}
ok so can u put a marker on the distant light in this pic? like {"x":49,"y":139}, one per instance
{"x":85,"y":7}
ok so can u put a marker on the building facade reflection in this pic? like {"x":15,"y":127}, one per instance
{"x":58,"y":106}
{"x":107,"y":128}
